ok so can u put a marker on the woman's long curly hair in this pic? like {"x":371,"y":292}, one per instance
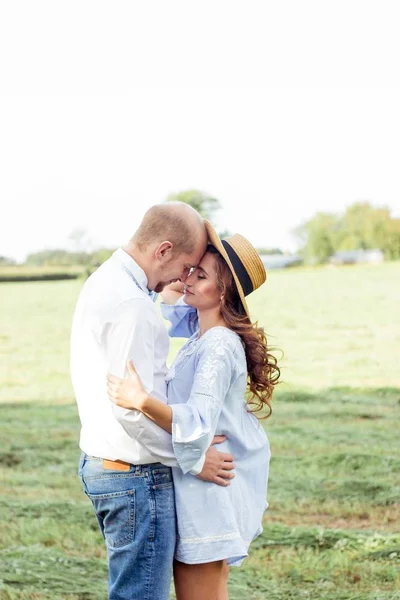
{"x":262,"y":367}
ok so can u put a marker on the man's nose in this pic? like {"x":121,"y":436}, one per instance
{"x":189,"y":276}
{"x":185,"y":275}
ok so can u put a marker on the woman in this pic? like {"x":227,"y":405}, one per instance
{"x":206,"y":396}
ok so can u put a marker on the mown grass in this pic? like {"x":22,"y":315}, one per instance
{"x":331,"y":521}
{"x":332,"y":529}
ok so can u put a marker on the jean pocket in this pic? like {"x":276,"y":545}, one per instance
{"x":116,"y":511}
{"x":162,"y":478}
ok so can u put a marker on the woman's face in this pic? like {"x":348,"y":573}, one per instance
{"x":201,"y":287}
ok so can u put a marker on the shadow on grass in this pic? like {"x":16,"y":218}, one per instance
{"x":343,"y":394}
{"x":48,"y":570}
{"x":317,"y":537}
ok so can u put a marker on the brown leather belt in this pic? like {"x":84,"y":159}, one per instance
{"x":116,"y":465}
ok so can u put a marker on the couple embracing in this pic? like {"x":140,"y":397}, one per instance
{"x":175,"y":462}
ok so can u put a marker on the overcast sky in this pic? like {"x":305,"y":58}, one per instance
{"x":278,"y":109}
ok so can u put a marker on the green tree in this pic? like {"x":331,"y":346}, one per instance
{"x":7,"y":261}
{"x":62,"y":257}
{"x":392,"y":241}
{"x":101,"y":255}
{"x":318,"y":237}
{"x":364,"y":227}
{"x":58,"y":257}
{"x":207,"y":206}
{"x":361,"y":227}
{"x":269,"y":251}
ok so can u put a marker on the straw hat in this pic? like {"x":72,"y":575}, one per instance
{"x":245,"y":264}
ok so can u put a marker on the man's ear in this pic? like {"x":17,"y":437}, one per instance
{"x":163,"y":251}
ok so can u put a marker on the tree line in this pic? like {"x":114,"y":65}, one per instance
{"x":360,"y":227}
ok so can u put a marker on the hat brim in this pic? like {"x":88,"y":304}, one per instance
{"x":215,"y":241}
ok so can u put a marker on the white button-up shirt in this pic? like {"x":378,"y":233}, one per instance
{"x":115,"y":319}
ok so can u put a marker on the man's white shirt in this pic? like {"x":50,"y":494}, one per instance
{"x":116,"y":320}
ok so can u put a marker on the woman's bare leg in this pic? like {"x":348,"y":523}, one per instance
{"x":223,"y":583}
{"x":198,"y":582}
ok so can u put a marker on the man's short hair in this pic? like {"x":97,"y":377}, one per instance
{"x":164,"y":222}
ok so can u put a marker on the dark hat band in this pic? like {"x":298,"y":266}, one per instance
{"x":240,"y":270}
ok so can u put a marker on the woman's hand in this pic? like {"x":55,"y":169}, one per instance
{"x":172,"y":292}
{"x":128,"y":392}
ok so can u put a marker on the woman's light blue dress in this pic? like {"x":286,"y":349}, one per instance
{"x":206,"y":391}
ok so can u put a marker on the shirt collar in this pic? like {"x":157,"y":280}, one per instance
{"x":131,"y":265}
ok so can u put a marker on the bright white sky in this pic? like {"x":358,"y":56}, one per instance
{"x":278,"y":109}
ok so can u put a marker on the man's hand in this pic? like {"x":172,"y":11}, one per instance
{"x":218,"y":466}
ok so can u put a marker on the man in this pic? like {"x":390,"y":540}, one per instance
{"x":126,"y":458}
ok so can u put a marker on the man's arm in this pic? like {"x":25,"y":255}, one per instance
{"x":131,"y":335}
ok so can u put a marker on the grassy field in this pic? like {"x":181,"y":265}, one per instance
{"x":332,"y":530}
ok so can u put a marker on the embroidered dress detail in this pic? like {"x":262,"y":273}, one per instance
{"x":210,"y":538}
{"x":209,"y":369}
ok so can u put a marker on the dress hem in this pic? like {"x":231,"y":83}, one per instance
{"x":233,"y":561}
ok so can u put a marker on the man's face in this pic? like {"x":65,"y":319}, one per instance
{"x":178,"y":268}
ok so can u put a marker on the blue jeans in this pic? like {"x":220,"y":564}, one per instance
{"x":135,"y":510}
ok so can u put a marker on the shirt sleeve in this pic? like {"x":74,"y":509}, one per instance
{"x":194,"y":424}
{"x":183,"y":318}
{"x":131,"y":335}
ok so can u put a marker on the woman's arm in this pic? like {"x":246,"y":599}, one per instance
{"x":129,"y":393}
{"x":183,"y":317}
{"x":192,"y":424}
{"x":172,"y":292}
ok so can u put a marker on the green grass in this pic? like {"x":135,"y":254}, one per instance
{"x":332,"y":529}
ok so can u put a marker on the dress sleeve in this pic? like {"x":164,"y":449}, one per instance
{"x":183,"y":318}
{"x":194,"y":423}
